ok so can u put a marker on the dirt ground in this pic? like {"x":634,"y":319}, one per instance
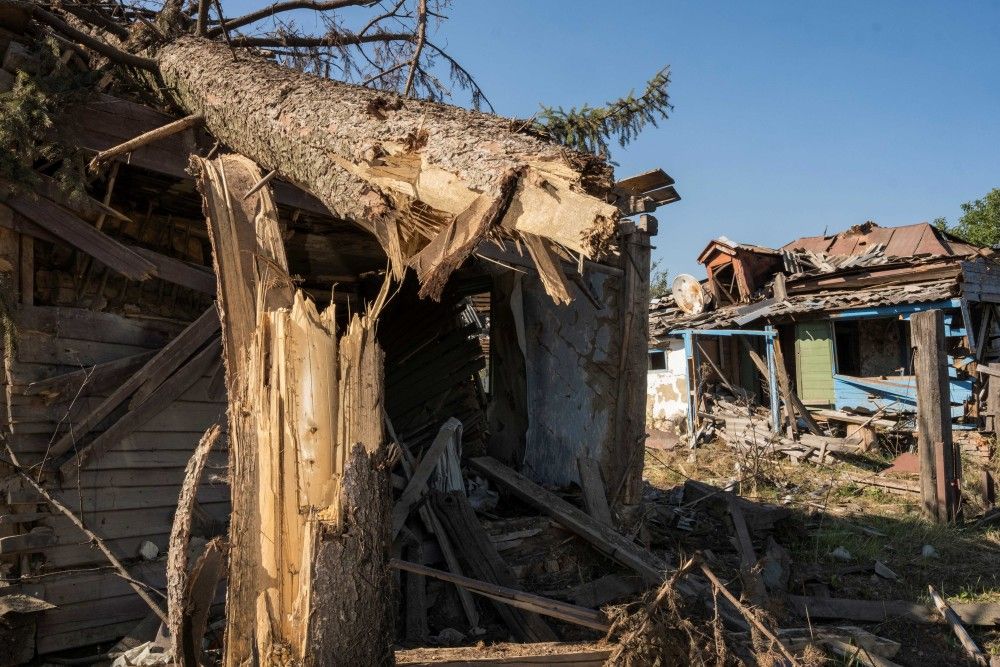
{"x":869,"y":524}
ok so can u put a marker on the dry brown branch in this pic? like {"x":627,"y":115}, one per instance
{"x":146,"y":138}
{"x":137,"y":586}
{"x":180,"y":535}
{"x":103,"y":48}
{"x":749,"y":615}
{"x":418,"y":48}
{"x":339,"y":39}
{"x":278,"y":7}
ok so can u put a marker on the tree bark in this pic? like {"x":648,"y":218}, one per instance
{"x":308,"y":579}
{"x":406,"y":170}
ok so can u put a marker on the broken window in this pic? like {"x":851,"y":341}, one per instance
{"x":657,"y":360}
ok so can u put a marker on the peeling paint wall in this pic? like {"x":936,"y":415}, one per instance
{"x":667,"y":390}
{"x":572,"y":354}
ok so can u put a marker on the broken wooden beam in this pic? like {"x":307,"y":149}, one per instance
{"x":417,"y":483}
{"x":81,"y":235}
{"x":484,"y":563}
{"x":157,"y":369}
{"x":588,"y":618}
{"x":168,"y":392}
{"x":603,"y":538}
{"x":177,"y":271}
{"x":95,"y":379}
{"x":939,"y":470}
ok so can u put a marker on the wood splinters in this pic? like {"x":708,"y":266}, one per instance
{"x":146,"y":138}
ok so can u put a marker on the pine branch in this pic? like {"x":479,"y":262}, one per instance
{"x":591,"y":128}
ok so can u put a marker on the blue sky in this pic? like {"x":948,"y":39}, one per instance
{"x":790,"y":117}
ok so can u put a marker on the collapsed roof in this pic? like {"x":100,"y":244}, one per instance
{"x":864,"y":266}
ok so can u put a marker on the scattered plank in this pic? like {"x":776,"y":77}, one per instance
{"x":483,"y":562}
{"x":604,"y":539}
{"x":522,"y":655}
{"x":588,"y":618}
{"x":856,"y":654}
{"x":417,"y":483}
{"x":952,"y":619}
{"x":877,"y":611}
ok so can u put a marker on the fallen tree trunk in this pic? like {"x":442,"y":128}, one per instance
{"x":310,"y":531}
{"x":409,"y":171}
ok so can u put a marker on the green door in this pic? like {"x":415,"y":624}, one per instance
{"x":814,"y":362}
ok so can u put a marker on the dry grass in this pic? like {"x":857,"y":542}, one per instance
{"x":871,"y":524}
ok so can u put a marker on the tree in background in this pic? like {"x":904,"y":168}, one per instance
{"x":659,"y":285}
{"x":980,"y":221}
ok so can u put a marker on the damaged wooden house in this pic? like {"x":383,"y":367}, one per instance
{"x":819,"y":330}
{"x":336,"y":334}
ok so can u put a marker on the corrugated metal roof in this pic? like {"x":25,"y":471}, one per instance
{"x":905,"y":241}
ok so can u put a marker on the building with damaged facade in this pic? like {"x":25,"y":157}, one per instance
{"x":187,"y":287}
{"x":832,"y":312}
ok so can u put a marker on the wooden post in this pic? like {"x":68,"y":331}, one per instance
{"x":938,"y":478}
{"x":623,"y":469}
{"x":993,"y":398}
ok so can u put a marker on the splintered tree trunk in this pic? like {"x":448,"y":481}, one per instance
{"x":429,"y":180}
{"x":308,"y":576}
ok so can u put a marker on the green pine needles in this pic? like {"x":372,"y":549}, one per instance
{"x":591,"y":128}
{"x":29,"y":125}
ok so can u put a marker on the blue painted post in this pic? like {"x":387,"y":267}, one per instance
{"x":689,"y":372}
{"x":772,"y":381}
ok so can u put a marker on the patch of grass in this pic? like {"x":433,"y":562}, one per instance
{"x":871,"y":523}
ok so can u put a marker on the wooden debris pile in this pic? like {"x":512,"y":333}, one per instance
{"x":807,"y":261}
{"x":695,"y":574}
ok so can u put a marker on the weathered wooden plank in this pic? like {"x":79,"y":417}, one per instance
{"x":521,"y":655}
{"x":121,"y":524}
{"x":938,"y":468}
{"x":40,"y":348}
{"x":93,"y":325}
{"x":96,"y":379}
{"x":137,"y":416}
{"x":878,"y":611}
{"x":179,"y":272}
{"x":481,"y":560}
{"x":604,"y":539}
{"x":111,"y":499}
{"x":160,"y":366}
{"x":595,"y":498}
{"x":81,"y":235}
